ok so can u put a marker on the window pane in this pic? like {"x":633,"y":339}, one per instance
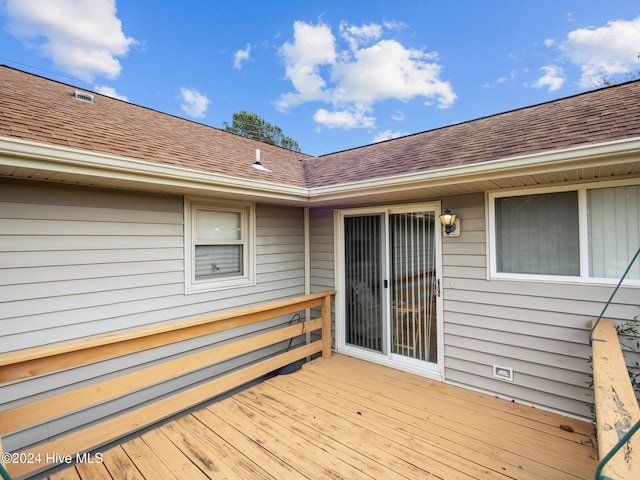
{"x":212,"y":225}
{"x":538,"y":234}
{"x":614,"y":231}
{"x":218,"y":260}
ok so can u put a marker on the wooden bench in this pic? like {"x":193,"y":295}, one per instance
{"x":23,"y":364}
{"x":617,"y":408}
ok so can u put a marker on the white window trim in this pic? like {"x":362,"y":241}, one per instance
{"x":584,"y":277}
{"x":247,"y":210}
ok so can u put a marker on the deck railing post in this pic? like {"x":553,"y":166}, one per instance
{"x":326,"y":326}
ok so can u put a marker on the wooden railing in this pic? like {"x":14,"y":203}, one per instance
{"x":617,"y":410}
{"x":23,"y":364}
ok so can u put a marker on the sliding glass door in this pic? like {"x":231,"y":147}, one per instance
{"x":391,"y":282}
{"x":364,"y":280}
{"x":413,"y":285}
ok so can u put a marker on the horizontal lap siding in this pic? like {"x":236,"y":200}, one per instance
{"x":321,"y":255}
{"x":78,"y":262}
{"x":75,"y":262}
{"x":538,"y":329}
{"x":322,"y":250}
{"x":280,"y":249}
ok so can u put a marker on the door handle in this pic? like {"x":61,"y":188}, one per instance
{"x":437,"y":287}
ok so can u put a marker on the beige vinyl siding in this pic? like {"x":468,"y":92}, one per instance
{"x":82,"y":262}
{"x":75,"y":262}
{"x":280,"y":248}
{"x":321,"y":256}
{"x":540,"y":329}
{"x":322,"y":246}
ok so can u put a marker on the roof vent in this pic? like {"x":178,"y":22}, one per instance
{"x":258,"y":164}
{"x":83,"y":97}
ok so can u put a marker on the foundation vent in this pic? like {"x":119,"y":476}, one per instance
{"x":503,"y":373}
{"x":83,"y":97}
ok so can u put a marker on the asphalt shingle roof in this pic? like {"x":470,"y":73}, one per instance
{"x":41,"y":110}
{"x":593,"y":117}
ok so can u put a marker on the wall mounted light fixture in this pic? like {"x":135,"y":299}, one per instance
{"x":448,"y":220}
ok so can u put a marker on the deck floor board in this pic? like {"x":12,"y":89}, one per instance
{"x":459,"y":413}
{"x":343,"y":418}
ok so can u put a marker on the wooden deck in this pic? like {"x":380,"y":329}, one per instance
{"x":345,"y":418}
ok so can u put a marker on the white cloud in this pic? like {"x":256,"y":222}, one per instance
{"x":355,"y":36}
{"x":368,"y":69}
{"x":507,"y":78}
{"x":601,"y":52}
{"x":312,"y":48}
{"x":241,"y":56}
{"x":193,"y":103}
{"x":346,"y":119}
{"x":387,"y":135}
{"x":398,"y":116}
{"x":83,"y":37}
{"x":389,"y":70}
{"x":553,"y":78}
{"x":110,"y":92}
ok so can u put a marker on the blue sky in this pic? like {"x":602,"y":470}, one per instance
{"x":331,"y":74}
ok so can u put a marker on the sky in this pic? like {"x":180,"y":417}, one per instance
{"x":333,"y":75}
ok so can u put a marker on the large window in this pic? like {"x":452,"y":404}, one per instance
{"x":219,"y":244}
{"x":588,"y":232}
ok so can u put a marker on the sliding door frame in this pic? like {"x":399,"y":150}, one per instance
{"x":432,"y":370}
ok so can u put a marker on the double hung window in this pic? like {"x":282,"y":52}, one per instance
{"x":219,"y":244}
{"x":587,"y":232}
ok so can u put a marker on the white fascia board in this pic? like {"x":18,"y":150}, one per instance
{"x":24,"y":154}
{"x":578,"y":157}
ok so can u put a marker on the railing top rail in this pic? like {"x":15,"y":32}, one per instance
{"x":617,"y":411}
{"x":110,"y":428}
{"x":47,"y":358}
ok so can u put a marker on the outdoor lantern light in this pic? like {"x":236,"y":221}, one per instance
{"x":448,"y":220}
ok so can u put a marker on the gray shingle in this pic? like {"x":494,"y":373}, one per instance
{"x":41,"y":110}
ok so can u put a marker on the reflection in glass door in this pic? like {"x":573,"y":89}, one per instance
{"x":391,"y":283}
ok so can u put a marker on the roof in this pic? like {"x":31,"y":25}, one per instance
{"x":603,"y":115}
{"x":42,"y":111}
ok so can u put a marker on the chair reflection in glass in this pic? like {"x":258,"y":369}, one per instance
{"x":414,"y":323}
{"x":365,"y":325}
